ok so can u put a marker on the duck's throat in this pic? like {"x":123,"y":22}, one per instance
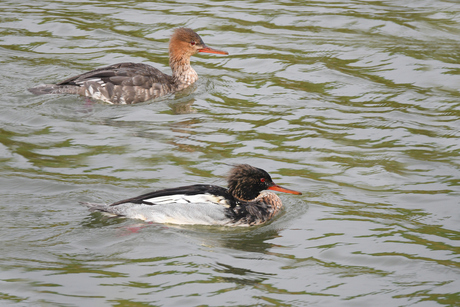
{"x":184,"y":75}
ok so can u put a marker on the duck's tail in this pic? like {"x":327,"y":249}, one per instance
{"x":54,"y":89}
{"x":95,"y":207}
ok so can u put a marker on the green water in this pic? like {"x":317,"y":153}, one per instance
{"x":354,"y":103}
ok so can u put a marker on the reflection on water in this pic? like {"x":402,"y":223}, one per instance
{"x":353,"y":103}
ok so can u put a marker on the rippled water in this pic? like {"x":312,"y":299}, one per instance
{"x":354,"y":103}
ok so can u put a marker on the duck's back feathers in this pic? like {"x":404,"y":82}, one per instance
{"x":122,"y":83}
{"x":185,"y":193}
{"x":132,"y":74}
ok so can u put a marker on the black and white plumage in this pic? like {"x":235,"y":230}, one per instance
{"x":127,"y":83}
{"x":244,"y":203}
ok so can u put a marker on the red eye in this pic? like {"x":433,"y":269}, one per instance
{"x":262,"y":179}
{"x":193,"y":43}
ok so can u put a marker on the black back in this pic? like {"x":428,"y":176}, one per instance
{"x":185,"y":190}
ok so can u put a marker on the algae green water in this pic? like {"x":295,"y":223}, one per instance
{"x":354,"y":103}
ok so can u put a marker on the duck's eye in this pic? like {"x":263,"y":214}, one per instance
{"x":262,"y":179}
{"x":193,"y":43}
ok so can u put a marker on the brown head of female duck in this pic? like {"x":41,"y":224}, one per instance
{"x":127,"y":83}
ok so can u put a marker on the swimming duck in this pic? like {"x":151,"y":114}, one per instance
{"x":244,"y":203}
{"x":127,"y":83}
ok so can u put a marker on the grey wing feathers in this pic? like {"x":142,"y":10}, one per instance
{"x":127,"y":74}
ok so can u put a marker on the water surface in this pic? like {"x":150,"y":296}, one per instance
{"x":354,"y":103}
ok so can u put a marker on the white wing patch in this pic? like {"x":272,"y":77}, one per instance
{"x":186,"y":199}
{"x":93,"y":89}
{"x":97,"y":80}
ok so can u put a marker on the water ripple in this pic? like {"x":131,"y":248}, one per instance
{"x":353,"y":103}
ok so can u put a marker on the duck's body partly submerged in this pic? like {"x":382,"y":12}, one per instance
{"x":127,"y":83}
{"x":244,"y":203}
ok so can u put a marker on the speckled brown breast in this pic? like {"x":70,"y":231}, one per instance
{"x":259,"y":210}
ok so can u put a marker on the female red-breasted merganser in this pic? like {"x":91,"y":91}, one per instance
{"x":127,"y":83}
{"x":244,"y":203}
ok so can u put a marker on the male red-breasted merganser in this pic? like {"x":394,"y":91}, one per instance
{"x":127,"y":83}
{"x":244,"y":203}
